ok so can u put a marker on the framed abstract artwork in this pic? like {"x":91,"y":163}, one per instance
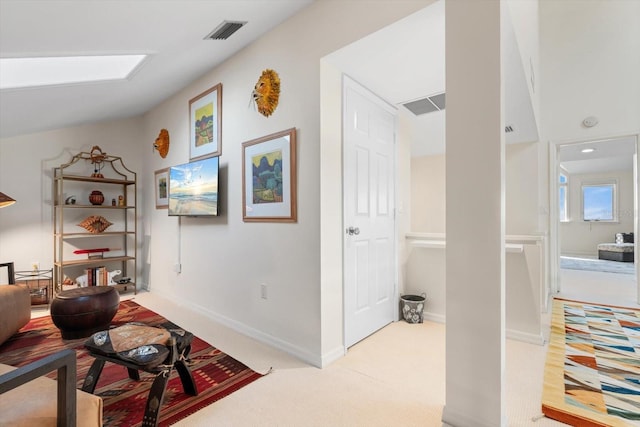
{"x":205,"y":124}
{"x":161,"y":186}
{"x":269,"y":178}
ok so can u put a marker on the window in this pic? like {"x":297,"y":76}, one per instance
{"x":599,"y":202}
{"x":562,"y":192}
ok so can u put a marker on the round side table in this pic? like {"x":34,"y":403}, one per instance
{"x":82,"y":311}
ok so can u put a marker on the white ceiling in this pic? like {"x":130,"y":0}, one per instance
{"x":171,"y":32}
{"x":610,"y":155}
{"x":406,"y":61}
{"x":402,"y":62}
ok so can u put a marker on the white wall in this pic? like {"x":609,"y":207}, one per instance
{"x":224,"y":260}
{"x":521,"y":181}
{"x":587,"y":69}
{"x":428,"y":194}
{"x":590,"y":67}
{"x":475,"y":192}
{"x":525,"y":19}
{"x":26,"y":168}
{"x":425,"y":266}
{"x":403,"y":194}
{"x":578,"y":237}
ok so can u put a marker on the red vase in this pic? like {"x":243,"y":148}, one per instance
{"x":96,"y":197}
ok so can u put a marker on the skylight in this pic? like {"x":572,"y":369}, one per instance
{"x":62,"y":70}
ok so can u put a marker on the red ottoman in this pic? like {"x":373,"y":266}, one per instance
{"x":80,"y":312}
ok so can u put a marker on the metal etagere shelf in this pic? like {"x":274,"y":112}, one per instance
{"x":39,"y":283}
{"x":73,"y":185}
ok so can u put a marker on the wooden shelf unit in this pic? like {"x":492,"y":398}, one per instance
{"x":76,"y":177}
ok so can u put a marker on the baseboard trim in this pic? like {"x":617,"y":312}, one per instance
{"x":455,"y":419}
{"x":434,"y":317}
{"x":537,"y":339}
{"x":581,"y":255}
{"x":333,"y":355}
{"x":294,"y":350}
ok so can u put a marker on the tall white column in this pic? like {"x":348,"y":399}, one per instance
{"x":475,"y":278}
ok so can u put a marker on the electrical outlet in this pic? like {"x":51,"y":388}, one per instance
{"x":177,"y":268}
{"x":263,"y":290}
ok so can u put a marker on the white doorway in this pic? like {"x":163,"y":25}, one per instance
{"x":370,"y":287}
{"x":579,"y":168}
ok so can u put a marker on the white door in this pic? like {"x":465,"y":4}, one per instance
{"x":369,"y":225}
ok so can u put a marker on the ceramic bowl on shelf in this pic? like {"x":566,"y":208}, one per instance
{"x":96,"y":197}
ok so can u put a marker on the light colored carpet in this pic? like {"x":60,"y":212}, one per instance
{"x":395,"y":377}
{"x":602,"y":265}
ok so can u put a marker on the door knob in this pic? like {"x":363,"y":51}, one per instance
{"x":353,"y":230}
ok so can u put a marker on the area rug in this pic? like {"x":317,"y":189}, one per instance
{"x":602,"y":265}
{"x":216,"y":374}
{"x":592,"y":372}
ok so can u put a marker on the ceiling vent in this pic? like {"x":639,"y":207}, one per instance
{"x":508,"y":129}
{"x":426,"y":105}
{"x":225,"y":30}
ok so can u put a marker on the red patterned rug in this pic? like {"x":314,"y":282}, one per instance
{"x":215,"y":373}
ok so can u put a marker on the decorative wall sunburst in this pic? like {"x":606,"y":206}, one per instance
{"x":266,"y":92}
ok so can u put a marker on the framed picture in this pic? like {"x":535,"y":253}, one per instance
{"x":205,"y":124}
{"x":269,"y":178}
{"x":162,"y":188}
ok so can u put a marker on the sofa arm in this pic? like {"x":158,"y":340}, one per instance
{"x":15,"y":310}
{"x":65,"y":363}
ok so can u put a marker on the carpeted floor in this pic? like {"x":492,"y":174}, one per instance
{"x":587,"y":264}
{"x":592,"y":374}
{"x":216,"y":374}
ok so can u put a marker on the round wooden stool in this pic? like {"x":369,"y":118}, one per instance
{"x":80,"y":312}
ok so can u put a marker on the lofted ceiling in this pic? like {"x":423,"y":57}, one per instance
{"x":406,"y":61}
{"x":171,"y":32}
{"x":401,"y":63}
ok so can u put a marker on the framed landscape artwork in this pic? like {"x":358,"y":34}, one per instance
{"x":205,"y":124}
{"x":161,"y":183}
{"x":269,"y":178}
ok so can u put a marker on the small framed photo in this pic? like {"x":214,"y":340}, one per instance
{"x":205,"y":124}
{"x":162,"y":188}
{"x":269,"y":178}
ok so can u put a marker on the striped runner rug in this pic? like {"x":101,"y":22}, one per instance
{"x":592,"y":372}
{"x":216,"y":374}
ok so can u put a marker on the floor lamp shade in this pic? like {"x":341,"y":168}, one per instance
{"x":5,"y":200}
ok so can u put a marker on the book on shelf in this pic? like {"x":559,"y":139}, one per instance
{"x":97,"y":276}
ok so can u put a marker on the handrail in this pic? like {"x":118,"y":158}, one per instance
{"x":513,"y":243}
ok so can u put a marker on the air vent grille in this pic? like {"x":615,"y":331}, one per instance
{"x":225,"y":30}
{"x":426,"y":105}
{"x":508,"y":129}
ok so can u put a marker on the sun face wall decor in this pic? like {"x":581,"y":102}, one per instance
{"x":266,"y":92}
{"x":162,"y":143}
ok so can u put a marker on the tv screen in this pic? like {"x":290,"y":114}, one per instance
{"x":193,"y":188}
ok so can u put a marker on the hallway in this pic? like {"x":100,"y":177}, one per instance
{"x":594,"y":286}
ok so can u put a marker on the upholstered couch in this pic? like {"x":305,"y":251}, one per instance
{"x":27,"y":398}
{"x":15,"y":310}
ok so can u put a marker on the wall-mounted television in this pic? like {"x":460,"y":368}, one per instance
{"x":193,"y":188}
